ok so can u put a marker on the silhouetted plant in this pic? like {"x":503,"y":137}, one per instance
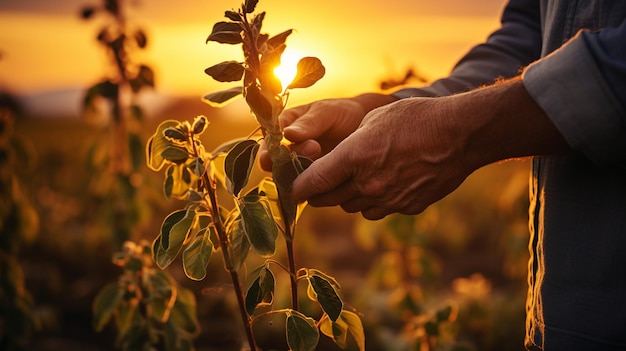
{"x":115,"y":159}
{"x":260,"y":213}
{"x":19,"y":224}
{"x":147,"y":305}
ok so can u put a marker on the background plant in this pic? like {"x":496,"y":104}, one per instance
{"x":149,"y":308}
{"x":116,"y":157}
{"x":19,"y":224}
{"x":259,"y":213}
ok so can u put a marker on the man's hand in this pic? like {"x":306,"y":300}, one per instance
{"x":316,"y":128}
{"x":413,"y":152}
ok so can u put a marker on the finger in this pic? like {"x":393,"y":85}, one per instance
{"x":323,"y":176}
{"x":375,"y":213}
{"x":342,"y":194}
{"x":264,"y":159}
{"x":305,"y":122}
{"x":357,"y":204}
{"x":308,"y":148}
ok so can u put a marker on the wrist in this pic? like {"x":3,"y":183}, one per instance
{"x":502,"y":122}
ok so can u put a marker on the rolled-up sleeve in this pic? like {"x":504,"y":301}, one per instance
{"x":582,"y":89}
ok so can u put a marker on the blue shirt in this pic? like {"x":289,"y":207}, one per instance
{"x":573,"y":56}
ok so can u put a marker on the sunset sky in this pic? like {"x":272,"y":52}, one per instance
{"x":44,"y":45}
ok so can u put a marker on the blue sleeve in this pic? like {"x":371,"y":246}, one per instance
{"x":513,"y":46}
{"x":582,"y":88}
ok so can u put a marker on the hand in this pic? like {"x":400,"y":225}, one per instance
{"x":402,"y":158}
{"x":316,"y":128}
{"x":410,"y":153}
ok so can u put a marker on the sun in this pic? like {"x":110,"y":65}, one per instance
{"x":287,"y":69}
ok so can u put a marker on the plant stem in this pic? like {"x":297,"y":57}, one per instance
{"x":292,"y":275}
{"x":223,"y":239}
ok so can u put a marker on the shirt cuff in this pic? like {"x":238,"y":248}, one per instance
{"x":570,"y":88}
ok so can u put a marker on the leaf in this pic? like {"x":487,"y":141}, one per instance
{"x":238,"y":165}
{"x":232,"y":15}
{"x":302,"y":334}
{"x":177,"y":181}
{"x":227,"y":71}
{"x":227,"y":146}
{"x":156,"y":145}
{"x":226,"y":33}
{"x":175,"y":154}
{"x":355,"y":327}
{"x":259,"y":105}
{"x":259,"y":224}
{"x":310,"y":70}
{"x":144,"y":78}
{"x":249,"y":5}
{"x":326,"y":296}
{"x":197,"y":254}
{"x":284,"y":171}
{"x":141,"y":39}
{"x":279,"y":39}
{"x":105,"y":304}
{"x":199,"y":125}
{"x":162,"y":296}
{"x":174,"y":231}
{"x":175,"y":135}
{"x":219,"y":98}
{"x":261,"y":291}
{"x":183,"y":316}
{"x":239,"y":243}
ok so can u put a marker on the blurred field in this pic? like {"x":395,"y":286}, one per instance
{"x":472,"y":247}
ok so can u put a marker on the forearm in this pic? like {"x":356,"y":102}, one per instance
{"x":501,"y":122}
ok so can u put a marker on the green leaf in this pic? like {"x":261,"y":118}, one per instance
{"x":183,"y":316}
{"x":302,"y":334}
{"x":310,"y":70}
{"x":239,"y":243}
{"x":348,"y":324}
{"x":177,"y":181}
{"x":227,"y":146}
{"x":355,"y":327}
{"x":249,"y":5}
{"x":238,"y":165}
{"x":219,"y":98}
{"x":175,"y":135}
{"x":226,"y":33}
{"x":227,"y":71}
{"x":199,"y":125}
{"x":175,"y":154}
{"x":156,"y":145}
{"x":259,"y":105}
{"x":259,"y":224}
{"x":161,"y":299}
{"x":174,"y":231}
{"x":326,"y":296}
{"x":261,"y":291}
{"x":197,"y":254}
{"x":105,"y":304}
{"x":284,"y":171}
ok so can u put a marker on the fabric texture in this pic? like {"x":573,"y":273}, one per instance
{"x":573,"y":57}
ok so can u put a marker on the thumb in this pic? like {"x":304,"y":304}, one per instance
{"x":323,"y":176}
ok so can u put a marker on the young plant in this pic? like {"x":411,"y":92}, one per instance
{"x":259,"y":213}
{"x":149,"y":308}
{"x":116,"y":157}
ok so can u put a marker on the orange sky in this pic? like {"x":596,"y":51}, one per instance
{"x":47,"y":48}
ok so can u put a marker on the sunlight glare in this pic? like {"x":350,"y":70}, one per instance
{"x":287,"y":69}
